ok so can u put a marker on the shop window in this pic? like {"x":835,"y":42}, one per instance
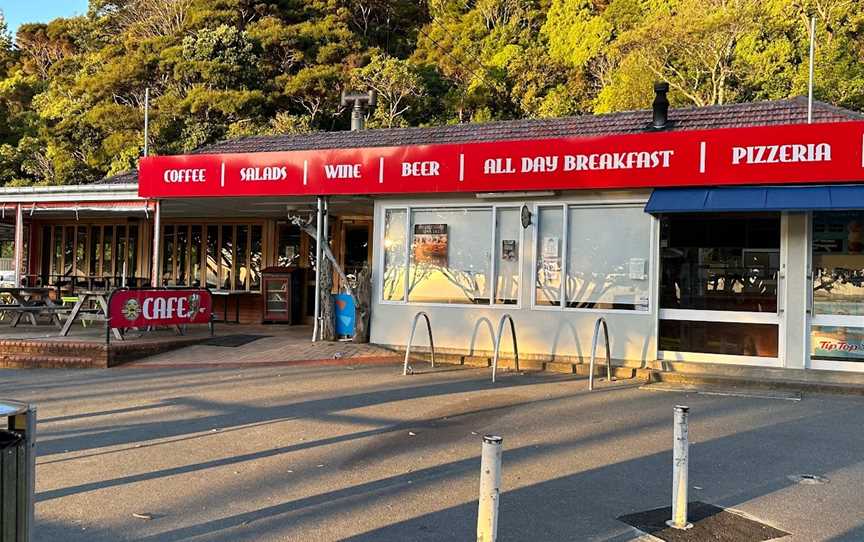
{"x":108,"y":250}
{"x":212,"y":271}
{"x":288,"y":244}
{"x":730,"y":338}
{"x":226,"y":256}
{"x":550,"y":228}
{"x":168,"y":269}
{"x":447,"y":255}
{"x":450,"y":255}
{"x":838,"y":263}
{"x":607,"y":268}
{"x":91,"y":255}
{"x":598,"y":268}
{"x":256,"y":255}
{"x":837,"y":333}
{"x":720,"y":263}
{"x":395,"y":254}
{"x":195,"y":246}
{"x":226,"y":251}
{"x":508,"y":234}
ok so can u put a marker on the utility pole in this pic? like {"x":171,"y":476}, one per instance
{"x":146,"y":121}
{"x":810,"y":79}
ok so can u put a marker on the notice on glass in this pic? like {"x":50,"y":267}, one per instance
{"x":430,"y":244}
{"x":509,"y":250}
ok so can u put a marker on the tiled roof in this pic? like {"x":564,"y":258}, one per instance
{"x":628,"y":122}
{"x":791,"y":111}
{"x":127,"y":177}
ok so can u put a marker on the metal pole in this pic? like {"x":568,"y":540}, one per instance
{"x":157,"y":230}
{"x":490,"y":489}
{"x":19,"y":243}
{"x":810,"y":81}
{"x":146,"y":120}
{"x":318,"y":240}
{"x":680,"y":450}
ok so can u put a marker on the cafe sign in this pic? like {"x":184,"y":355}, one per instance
{"x":786,"y":154}
{"x":159,"y":307}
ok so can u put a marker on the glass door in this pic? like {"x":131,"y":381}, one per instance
{"x":720,"y":275}
{"x":837,"y":295}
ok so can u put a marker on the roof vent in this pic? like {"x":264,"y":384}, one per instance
{"x":660,"y":106}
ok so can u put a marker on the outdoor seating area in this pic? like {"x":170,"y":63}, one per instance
{"x":42,"y":307}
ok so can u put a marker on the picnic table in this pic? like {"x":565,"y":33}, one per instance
{"x":31,"y":302}
{"x":80,"y":310}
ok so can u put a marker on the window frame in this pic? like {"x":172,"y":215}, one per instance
{"x":204,"y":248}
{"x":565,"y":206}
{"x":493,"y":286}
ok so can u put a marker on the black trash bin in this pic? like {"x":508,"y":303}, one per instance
{"x":17,"y":470}
{"x":14,"y":489}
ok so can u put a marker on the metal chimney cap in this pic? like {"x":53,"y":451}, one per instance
{"x":661,"y":86}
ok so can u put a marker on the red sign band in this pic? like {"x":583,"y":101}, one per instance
{"x":814,"y":153}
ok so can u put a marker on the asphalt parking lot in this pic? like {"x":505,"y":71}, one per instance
{"x":363,"y":453}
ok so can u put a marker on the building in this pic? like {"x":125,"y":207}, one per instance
{"x":727,"y":234}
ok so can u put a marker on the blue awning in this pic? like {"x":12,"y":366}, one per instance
{"x":749,"y":199}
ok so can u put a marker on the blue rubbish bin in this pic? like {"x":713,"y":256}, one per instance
{"x":344,"y":315}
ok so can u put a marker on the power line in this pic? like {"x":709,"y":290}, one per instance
{"x":454,"y":59}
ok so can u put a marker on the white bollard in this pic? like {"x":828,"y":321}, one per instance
{"x":680,"y":459}
{"x":490,"y":489}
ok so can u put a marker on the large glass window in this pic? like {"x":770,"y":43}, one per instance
{"x":446,"y":255}
{"x":226,"y":256}
{"x":837,"y":333}
{"x":549,"y":249}
{"x":838,"y":263}
{"x":395,"y":254}
{"x":600,"y":267}
{"x":719,"y":262}
{"x":607,"y":267}
{"x":450,"y":255}
{"x":90,"y":254}
{"x":289,"y":244}
{"x":508,"y":233}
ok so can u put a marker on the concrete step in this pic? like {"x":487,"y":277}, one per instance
{"x":749,"y":383}
{"x":35,"y":361}
{"x":704,"y":389}
{"x":507,"y":362}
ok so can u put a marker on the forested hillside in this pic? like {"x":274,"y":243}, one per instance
{"x":72,"y":91}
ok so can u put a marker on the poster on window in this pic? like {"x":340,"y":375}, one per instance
{"x":508,"y":250}
{"x":550,"y":252}
{"x":837,"y":343}
{"x":430,"y":244}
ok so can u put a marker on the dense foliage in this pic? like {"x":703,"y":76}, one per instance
{"x":72,"y":90}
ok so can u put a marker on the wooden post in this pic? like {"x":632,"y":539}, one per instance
{"x":363,"y":297}
{"x":327,"y":330}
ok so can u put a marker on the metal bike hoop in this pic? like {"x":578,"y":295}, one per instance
{"x":411,"y":340}
{"x":504,"y":318}
{"x":594,"y":340}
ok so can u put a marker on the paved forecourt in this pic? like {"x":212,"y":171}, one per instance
{"x":359,"y":452}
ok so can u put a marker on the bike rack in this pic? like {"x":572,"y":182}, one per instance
{"x":594,"y":340}
{"x":498,"y":343}
{"x":411,"y":340}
